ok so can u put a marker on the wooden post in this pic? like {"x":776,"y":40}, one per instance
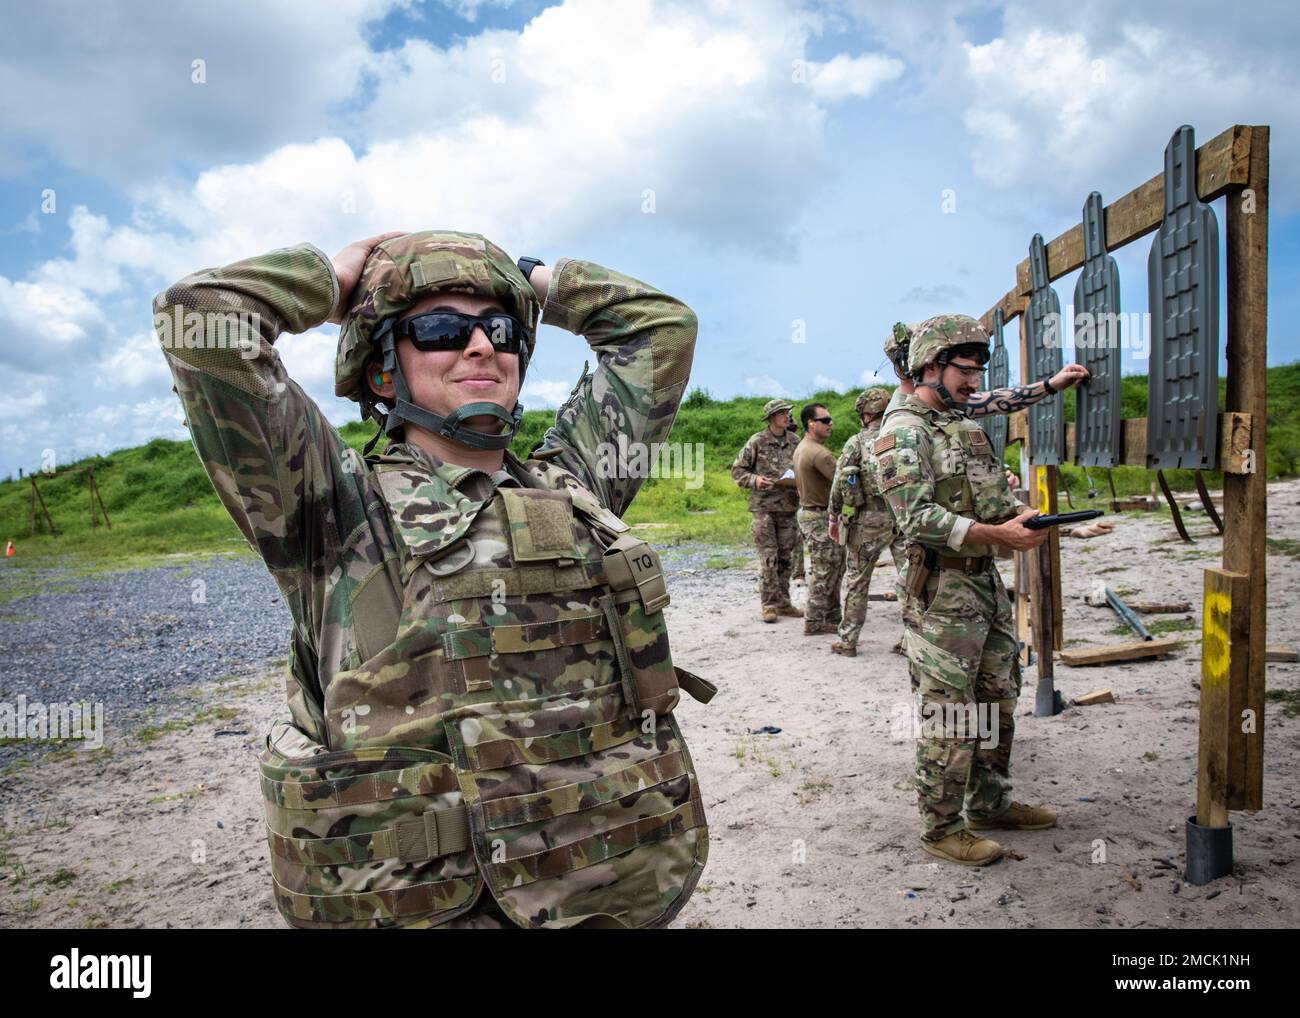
{"x":1245,"y":496}
{"x":100,"y":499}
{"x":37,"y":496}
{"x":1042,"y":613}
{"x":1225,"y":658}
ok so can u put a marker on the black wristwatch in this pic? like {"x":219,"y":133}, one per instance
{"x":526,"y":264}
{"x":1047,"y":383}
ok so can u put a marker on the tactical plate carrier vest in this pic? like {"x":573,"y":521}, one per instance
{"x":967,"y":476}
{"x":515,"y":729}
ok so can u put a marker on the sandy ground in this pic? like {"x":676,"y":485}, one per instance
{"x":814,"y":826}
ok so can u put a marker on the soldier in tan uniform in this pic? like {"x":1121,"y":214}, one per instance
{"x":814,"y":470}
{"x":761,"y":467}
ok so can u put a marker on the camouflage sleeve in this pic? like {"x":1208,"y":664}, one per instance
{"x":288,"y":480}
{"x":742,"y":470}
{"x":906,"y":481}
{"x":644,"y":341}
{"x":847,"y":458}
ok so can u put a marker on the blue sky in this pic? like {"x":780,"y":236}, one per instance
{"x":800,"y":157}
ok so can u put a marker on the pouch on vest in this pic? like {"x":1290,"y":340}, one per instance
{"x":917,"y":570}
{"x":851,"y":487}
{"x":365,"y":838}
{"x":635,"y":575}
{"x":580,"y":815}
{"x":541,"y":525}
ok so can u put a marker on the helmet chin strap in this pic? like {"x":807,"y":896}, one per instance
{"x":450,"y":427}
{"x":938,"y":386}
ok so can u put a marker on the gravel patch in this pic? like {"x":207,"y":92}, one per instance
{"x":130,"y":640}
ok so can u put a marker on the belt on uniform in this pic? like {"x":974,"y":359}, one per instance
{"x":976,"y":564}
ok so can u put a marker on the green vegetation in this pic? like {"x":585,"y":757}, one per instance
{"x":1287,"y":699}
{"x":162,"y":504}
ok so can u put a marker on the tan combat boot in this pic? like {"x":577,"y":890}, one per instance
{"x":1017,"y":817}
{"x":818,"y":628}
{"x":769,"y":613}
{"x":844,"y":649}
{"x":789,"y":611}
{"x":964,"y":848}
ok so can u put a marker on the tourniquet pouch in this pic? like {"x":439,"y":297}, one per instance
{"x":636,"y":578}
{"x":580,"y":814}
{"x":851,"y":487}
{"x":364,"y":838}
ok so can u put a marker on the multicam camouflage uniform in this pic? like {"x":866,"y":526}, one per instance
{"x":868,"y":525}
{"x":776,"y":532}
{"x":479,"y":676}
{"x":937,"y":472}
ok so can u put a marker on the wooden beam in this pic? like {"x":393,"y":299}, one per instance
{"x":1245,"y":496}
{"x":1222,"y":163}
{"x":1018,"y":427}
{"x":1012,"y":305}
{"x":1077,"y":657}
{"x":1236,"y":433}
{"x":1225,"y":641}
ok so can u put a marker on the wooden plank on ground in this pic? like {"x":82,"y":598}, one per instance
{"x":1281,"y":652}
{"x":1160,"y":607}
{"x":1106,"y":653}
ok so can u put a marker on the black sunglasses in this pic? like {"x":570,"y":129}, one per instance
{"x":821,"y":420}
{"x":451,"y":330}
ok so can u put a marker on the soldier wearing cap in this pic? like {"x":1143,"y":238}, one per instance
{"x":473,"y":633}
{"x":859,"y":518}
{"x":761,"y":466}
{"x":949,"y":495}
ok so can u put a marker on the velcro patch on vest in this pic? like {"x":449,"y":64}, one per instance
{"x":521,"y":639}
{"x":887,"y":475}
{"x":884,"y":443}
{"x":541,"y":524}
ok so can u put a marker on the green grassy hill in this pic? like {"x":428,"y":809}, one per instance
{"x":161,"y":502}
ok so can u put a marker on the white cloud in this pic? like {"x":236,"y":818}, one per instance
{"x":822,"y":383}
{"x":135,"y":363}
{"x":845,"y":76}
{"x":108,"y":89}
{"x":870,"y":377}
{"x":766,"y":385}
{"x":1089,"y":100}
{"x":539,"y":393}
{"x":17,"y":406}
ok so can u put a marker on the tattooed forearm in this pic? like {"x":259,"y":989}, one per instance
{"x":1004,"y":401}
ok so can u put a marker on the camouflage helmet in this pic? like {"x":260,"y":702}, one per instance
{"x":873,"y":401}
{"x":942,"y":332}
{"x":897,"y":340}
{"x":773,"y":406}
{"x":399,"y":272}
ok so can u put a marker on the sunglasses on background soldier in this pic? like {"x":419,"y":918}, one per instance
{"x":451,"y":330}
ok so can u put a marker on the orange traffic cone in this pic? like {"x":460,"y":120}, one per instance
{"x":9,"y":551}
